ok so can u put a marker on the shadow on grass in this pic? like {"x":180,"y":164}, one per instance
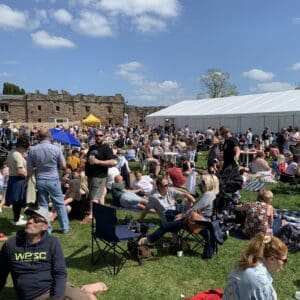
{"x":84,"y":262}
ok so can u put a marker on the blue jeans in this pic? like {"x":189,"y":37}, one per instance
{"x":165,"y":227}
{"x":130,"y":200}
{"x":51,"y":188}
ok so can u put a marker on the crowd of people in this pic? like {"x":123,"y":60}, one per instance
{"x":68,"y":181}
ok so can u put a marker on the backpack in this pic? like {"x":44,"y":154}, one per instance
{"x":290,"y":235}
{"x":214,"y":236}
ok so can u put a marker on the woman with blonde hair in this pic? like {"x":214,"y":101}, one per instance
{"x":259,"y":214}
{"x":250,"y":278}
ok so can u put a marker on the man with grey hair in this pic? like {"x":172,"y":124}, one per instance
{"x":45,"y":159}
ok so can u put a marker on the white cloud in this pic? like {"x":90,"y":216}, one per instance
{"x":295,"y":67}
{"x":259,"y":75}
{"x":149,"y":24}
{"x":45,"y":40}
{"x":146,"y":15}
{"x":274,"y":86}
{"x":131,"y":71}
{"x":165,"y":8}
{"x":62,"y":16}
{"x":12,"y":19}
{"x":159,"y":93}
{"x":92,"y":24}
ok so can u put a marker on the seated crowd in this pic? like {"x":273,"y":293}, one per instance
{"x":170,"y":186}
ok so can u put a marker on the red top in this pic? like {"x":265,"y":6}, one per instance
{"x":176,"y":176}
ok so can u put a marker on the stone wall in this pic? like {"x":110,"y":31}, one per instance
{"x":40,"y":108}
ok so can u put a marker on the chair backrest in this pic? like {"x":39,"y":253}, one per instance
{"x":106,"y":220}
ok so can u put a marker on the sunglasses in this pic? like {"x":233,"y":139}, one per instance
{"x":97,"y":135}
{"x":283,"y":260}
{"x":36,"y":219}
{"x":166,"y":185}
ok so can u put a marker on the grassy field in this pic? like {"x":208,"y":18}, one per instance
{"x":165,"y":276}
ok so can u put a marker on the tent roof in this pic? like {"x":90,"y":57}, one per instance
{"x":91,"y":120}
{"x":288,"y":101}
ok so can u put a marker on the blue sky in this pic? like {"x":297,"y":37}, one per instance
{"x":151,"y":51}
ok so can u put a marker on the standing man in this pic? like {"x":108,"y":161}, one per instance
{"x":231,"y":149}
{"x":249,"y":138}
{"x":45,"y":159}
{"x":99,"y":158}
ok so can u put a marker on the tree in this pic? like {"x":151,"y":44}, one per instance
{"x":12,"y":89}
{"x":215,"y":84}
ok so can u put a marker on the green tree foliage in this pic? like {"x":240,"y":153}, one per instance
{"x":12,"y":89}
{"x":215,"y":84}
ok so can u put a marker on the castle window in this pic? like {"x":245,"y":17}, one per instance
{"x":87,"y":108}
{"x":39,"y":107}
{"x":3,"y":107}
{"x":39,"y":120}
{"x":57,"y":108}
{"x":109,"y":109}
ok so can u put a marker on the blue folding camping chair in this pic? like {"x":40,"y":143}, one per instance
{"x":108,"y":235}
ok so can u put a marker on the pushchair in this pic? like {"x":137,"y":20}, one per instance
{"x":230,"y":182}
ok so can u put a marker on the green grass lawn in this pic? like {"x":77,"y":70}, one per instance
{"x":166,"y":276}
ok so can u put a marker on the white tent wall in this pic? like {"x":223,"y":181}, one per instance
{"x":273,"y":110}
{"x":238,"y":124}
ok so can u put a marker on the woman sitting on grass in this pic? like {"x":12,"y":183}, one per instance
{"x":259,"y":215}
{"x":250,"y":278}
{"x":75,"y":197}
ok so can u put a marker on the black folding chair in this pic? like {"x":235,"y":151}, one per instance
{"x":108,"y":235}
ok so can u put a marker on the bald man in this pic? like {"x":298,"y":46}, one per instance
{"x":45,"y":159}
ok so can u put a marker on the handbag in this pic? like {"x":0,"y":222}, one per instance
{"x":191,"y":221}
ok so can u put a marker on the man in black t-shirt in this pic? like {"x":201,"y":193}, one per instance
{"x":99,"y":158}
{"x":231,"y":149}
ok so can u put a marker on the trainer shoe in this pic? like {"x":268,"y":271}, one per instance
{"x":19,"y":223}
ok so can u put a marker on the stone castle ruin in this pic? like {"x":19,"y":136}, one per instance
{"x":44,"y":108}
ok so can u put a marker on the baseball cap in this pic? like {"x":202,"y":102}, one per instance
{"x":40,"y":211}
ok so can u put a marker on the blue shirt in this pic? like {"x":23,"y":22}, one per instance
{"x":251,"y":284}
{"x":46,"y":158}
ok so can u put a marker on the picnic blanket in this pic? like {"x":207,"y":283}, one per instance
{"x":291,"y":216}
{"x":253,"y":185}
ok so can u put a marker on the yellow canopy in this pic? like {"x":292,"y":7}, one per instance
{"x":91,"y":120}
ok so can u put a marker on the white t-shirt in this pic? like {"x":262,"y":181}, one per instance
{"x":145,"y":184}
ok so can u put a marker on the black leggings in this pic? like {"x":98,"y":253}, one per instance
{"x":17,"y":211}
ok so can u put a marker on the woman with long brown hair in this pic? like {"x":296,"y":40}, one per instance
{"x":250,"y":278}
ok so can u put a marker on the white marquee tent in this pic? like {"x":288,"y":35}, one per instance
{"x":273,"y":110}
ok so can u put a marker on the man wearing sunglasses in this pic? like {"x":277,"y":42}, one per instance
{"x":99,"y":158}
{"x":34,"y":259}
{"x":36,"y":262}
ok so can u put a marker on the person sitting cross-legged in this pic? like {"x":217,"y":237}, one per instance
{"x":124,"y":197}
{"x":209,"y":186}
